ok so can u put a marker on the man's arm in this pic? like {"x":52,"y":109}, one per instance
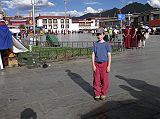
{"x":109,"y":61}
{"x":93,"y":61}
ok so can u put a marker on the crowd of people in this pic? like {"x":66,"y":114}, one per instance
{"x":135,"y":37}
{"x":132,"y":37}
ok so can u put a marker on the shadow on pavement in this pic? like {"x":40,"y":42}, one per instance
{"x":28,"y":114}
{"x":144,"y":104}
{"x":81,"y":82}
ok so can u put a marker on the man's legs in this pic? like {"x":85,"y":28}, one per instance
{"x":104,"y":79}
{"x":96,"y":82}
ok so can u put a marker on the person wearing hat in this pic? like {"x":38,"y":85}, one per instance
{"x":106,"y":36}
{"x":101,"y":62}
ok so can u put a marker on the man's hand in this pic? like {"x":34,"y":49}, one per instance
{"x":108,"y":68}
{"x":94,"y":68}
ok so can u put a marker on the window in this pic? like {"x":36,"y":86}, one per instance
{"x":81,"y":24}
{"x":156,"y":16}
{"x":67,"y":20}
{"x":44,"y":20}
{"x":54,"y":20}
{"x":88,"y":24}
{"x":62,"y":20}
{"x":55,"y":26}
{"x":67,"y":26}
{"x":62,"y":26}
{"x":50,"y":21}
{"x":50,"y":26}
{"x":45,"y":26}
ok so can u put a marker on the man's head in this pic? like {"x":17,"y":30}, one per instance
{"x":100,"y":33}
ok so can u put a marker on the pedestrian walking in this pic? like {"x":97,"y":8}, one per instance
{"x":106,"y":37}
{"x":115,"y":32}
{"x":146,"y":36}
{"x":133,"y":37}
{"x":101,"y":62}
{"x":110,"y":31}
{"x":127,"y":37}
{"x":139,"y":37}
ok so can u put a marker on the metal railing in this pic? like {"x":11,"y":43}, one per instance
{"x":67,"y":50}
{"x":76,"y":44}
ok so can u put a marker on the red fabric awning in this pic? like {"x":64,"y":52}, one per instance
{"x":154,"y":23}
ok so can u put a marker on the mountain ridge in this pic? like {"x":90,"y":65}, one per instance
{"x":134,"y":7}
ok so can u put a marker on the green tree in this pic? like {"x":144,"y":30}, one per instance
{"x":22,"y":27}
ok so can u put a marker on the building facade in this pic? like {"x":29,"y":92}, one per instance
{"x":19,"y":22}
{"x":86,"y":24}
{"x":58,"y":24}
{"x":54,"y":23}
{"x":149,"y":18}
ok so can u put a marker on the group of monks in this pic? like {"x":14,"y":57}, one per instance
{"x":132,"y":37}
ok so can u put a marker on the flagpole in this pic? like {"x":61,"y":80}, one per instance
{"x":33,"y":15}
{"x":65,"y":9}
{"x":33,"y":19}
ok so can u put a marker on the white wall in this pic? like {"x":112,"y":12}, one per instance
{"x":59,"y":25}
{"x":74,"y":27}
{"x":93,"y":24}
{"x":39,"y":22}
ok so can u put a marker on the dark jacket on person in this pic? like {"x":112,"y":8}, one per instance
{"x":106,"y":38}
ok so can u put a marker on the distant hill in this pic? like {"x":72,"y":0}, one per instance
{"x":109,"y":13}
{"x":136,"y":8}
{"x":132,"y":8}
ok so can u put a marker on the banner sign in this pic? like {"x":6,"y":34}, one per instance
{"x":121,"y":17}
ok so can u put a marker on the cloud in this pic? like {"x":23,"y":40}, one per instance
{"x":154,"y":3}
{"x":72,"y":13}
{"x":91,"y":10}
{"x":69,"y":13}
{"x":75,"y":12}
{"x":26,"y":4}
{"x":130,"y":2}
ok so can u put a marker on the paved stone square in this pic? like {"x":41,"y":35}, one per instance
{"x":64,"y":90}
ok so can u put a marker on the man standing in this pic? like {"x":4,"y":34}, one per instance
{"x":101,"y":62}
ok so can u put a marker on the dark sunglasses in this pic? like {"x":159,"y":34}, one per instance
{"x":98,"y":34}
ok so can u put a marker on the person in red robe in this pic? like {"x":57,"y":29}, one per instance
{"x":127,"y":37}
{"x":133,"y":37}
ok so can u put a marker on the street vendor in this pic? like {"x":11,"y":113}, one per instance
{"x":5,"y":42}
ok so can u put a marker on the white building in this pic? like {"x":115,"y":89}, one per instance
{"x":54,"y":23}
{"x":86,"y":24}
{"x":57,"y":24}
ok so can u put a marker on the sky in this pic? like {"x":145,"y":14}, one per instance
{"x":74,"y":7}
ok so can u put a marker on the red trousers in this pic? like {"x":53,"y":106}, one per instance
{"x":101,"y":82}
{"x":127,"y":41}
